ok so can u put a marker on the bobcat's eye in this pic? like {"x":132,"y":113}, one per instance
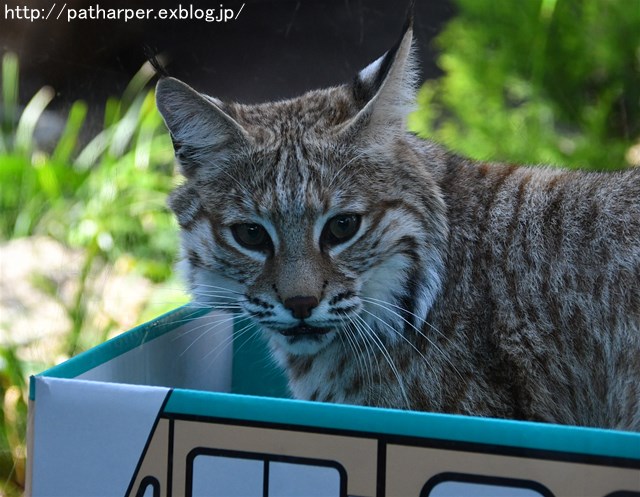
{"x":339,"y":229}
{"x":251,"y":236}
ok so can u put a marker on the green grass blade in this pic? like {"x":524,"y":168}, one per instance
{"x":126,"y":128}
{"x":92,"y":152}
{"x":10,"y":77}
{"x":48,"y":181}
{"x":69,"y":138}
{"x":137,"y":84}
{"x":29,"y":118}
{"x":12,"y":169}
{"x":111,"y":112}
{"x":9,"y":80}
{"x":150,"y":121}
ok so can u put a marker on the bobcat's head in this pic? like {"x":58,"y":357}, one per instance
{"x":313,"y":216}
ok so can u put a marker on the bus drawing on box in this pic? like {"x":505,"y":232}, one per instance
{"x":199,"y":457}
{"x":136,"y":417}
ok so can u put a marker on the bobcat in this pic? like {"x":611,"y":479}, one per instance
{"x":387,"y":271}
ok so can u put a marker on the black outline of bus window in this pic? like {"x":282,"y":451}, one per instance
{"x":266,"y":458}
{"x":484,"y":480}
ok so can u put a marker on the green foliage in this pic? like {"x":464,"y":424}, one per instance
{"x":105,"y":197}
{"x":537,"y":81}
{"x":13,"y":420}
{"x":109,"y":193}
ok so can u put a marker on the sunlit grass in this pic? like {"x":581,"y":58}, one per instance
{"x":105,"y":199}
{"x":541,"y":82}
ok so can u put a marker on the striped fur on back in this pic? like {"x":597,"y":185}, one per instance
{"x":386,"y":271}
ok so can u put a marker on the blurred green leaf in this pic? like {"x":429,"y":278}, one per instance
{"x":68,"y":141}
{"x":10,"y":77}
{"x":25,"y":131}
{"x":105,"y":196}
{"x":540,"y":81}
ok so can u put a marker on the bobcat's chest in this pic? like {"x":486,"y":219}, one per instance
{"x":329,"y":376}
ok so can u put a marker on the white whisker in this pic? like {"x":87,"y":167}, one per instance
{"x":420,"y":332}
{"x":208,"y":328}
{"x":221,"y":288}
{"x":387,"y":305}
{"x":192,"y":316}
{"x":228,"y":341}
{"x":362,"y":364}
{"x":387,"y":356}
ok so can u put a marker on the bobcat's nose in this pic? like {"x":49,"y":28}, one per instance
{"x":301,"y":307}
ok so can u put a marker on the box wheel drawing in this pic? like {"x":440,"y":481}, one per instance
{"x":151,"y":414}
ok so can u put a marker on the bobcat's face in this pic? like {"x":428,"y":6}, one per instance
{"x":313,"y":216}
{"x":309,"y":237}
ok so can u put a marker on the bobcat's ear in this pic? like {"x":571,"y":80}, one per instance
{"x":200,"y":130}
{"x":385,"y":90}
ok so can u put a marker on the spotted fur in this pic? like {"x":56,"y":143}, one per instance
{"x":470,"y":288}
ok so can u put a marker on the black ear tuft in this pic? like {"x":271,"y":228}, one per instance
{"x":384,"y":92}
{"x":408,"y":23}
{"x":368,"y":82}
{"x":153,"y":58}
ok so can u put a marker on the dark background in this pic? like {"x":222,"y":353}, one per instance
{"x":275,"y":49}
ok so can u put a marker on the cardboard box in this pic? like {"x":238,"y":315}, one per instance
{"x":173,"y":408}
